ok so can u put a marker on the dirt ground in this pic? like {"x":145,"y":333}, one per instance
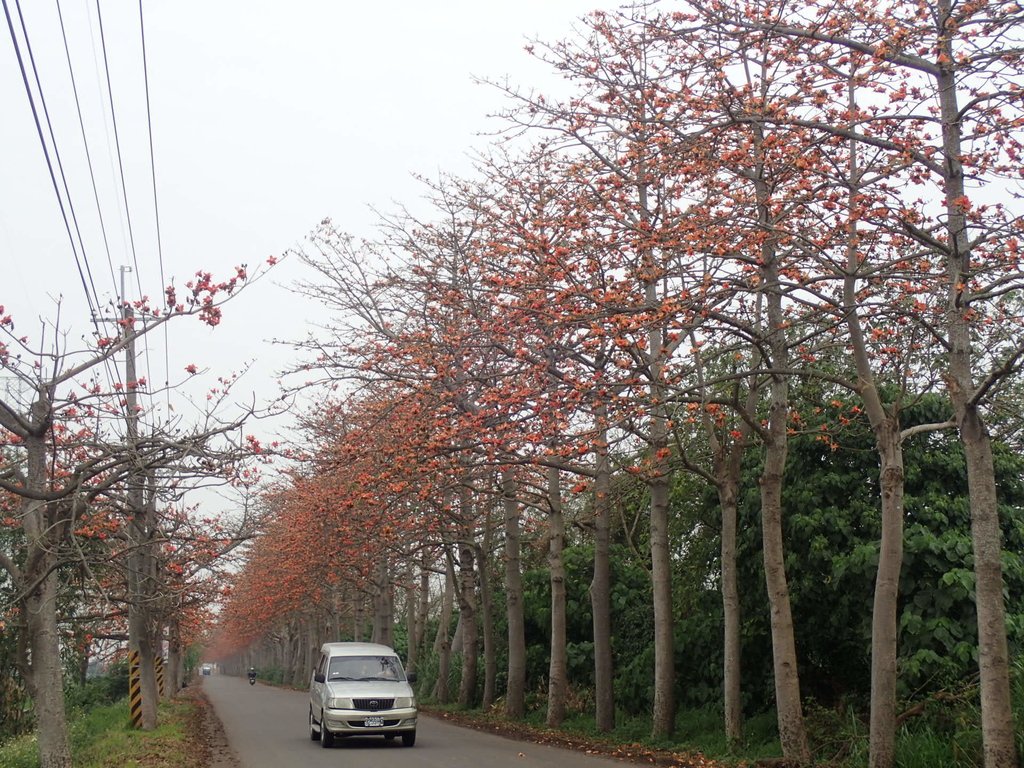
{"x":210,"y":746}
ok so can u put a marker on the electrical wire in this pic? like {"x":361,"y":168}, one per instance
{"x":117,"y":144}
{"x":49,"y":164}
{"x":120,"y":165}
{"x":113,"y":374}
{"x":88,"y":154}
{"x":156,"y":204}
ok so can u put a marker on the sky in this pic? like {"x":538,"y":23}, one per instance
{"x":267,"y":117}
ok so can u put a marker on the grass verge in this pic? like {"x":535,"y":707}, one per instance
{"x":103,"y":738}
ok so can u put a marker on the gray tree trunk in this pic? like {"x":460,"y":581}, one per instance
{"x":600,"y":585}
{"x":664,"y":711}
{"x":468,"y":615}
{"x":888,"y":440}
{"x":383,"y":606}
{"x":175,"y":658}
{"x":792,"y":733}
{"x":442,"y":641}
{"x":515,"y":692}
{"x":411,"y":629}
{"x":999,"y":746}
{"x":558,"y":683}
{"x":487,"y":618}
{"x":39,"y":655}
{"x":421,"y":609}
{"x":43,"y":675}
{"x":731,"y":670}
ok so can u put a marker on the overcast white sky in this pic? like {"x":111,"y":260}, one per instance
{"x":267,"y":117}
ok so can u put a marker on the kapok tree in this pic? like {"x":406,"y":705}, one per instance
{"x":954,"y":124}
{"x":61,"y":456}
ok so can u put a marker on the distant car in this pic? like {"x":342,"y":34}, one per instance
{"x":207,"y":669}
{"x":360,"y":689}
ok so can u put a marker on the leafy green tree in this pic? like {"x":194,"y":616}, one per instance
{"x":832,"y":536}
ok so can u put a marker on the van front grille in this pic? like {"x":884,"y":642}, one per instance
{"x":373,"y":705}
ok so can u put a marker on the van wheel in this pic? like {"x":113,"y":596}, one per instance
{"x":408,"y":738}
{"x":314,"y":734}
{"x":326,"y":737}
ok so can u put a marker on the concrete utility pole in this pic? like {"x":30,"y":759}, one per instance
{"x":141,"y":575}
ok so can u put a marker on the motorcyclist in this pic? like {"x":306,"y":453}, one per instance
{"x":252,"y":674}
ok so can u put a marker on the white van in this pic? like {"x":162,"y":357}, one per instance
{"x":360,"y":689}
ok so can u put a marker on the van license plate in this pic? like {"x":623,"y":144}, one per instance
{"x":373,"y":722}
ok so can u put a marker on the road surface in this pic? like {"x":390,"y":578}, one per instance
{"x":268,"y":728}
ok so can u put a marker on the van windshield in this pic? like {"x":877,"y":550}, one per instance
{"x":365,"y":668}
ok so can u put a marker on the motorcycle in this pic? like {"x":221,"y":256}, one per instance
{"x":252,"y":678}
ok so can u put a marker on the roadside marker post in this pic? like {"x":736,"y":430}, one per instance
{"x":135,"y":689}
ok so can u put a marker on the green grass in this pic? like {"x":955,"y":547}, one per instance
{"x":945,"y":735}
{"x":20,"y":752}
{"x":104,"y":738}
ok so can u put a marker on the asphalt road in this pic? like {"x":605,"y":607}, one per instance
{"x":268,"y":728}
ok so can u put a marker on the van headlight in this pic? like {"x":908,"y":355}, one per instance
{"x":405,"y":702}
{"x":339,"y":704}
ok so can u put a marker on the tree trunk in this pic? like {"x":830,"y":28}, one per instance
{"x":600,"y":585}
{"x":175,"y":660}
{"x":1000,"y":749}
{"x":993,"y":657}
{"x":731,"y":689}
{"x":442,"y":641}
{"x":487,"y":619}
{"x":787,"y":682}
{"x":664,"y":713}
{"x":515,"y":692}
{"x":727,"y":465}
{"x":42,"y":672}
{"x":885,"y":615}
{"x":383,"y":606}
{"x":467,"y":614}
{"x":421,"y":611}
{"x":558,"y":682}
{"x":411,"y":630}
{"x":357,"y":619}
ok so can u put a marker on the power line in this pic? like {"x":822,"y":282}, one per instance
{"x":120,"y":166}
{"x":112,"y":371}
{"x":156,"y":205}
{"x":49,"y":163}
{"x":117,"y":143}
{"x":85,"y":143}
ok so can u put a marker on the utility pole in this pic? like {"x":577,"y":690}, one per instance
{"x":141,"y":641}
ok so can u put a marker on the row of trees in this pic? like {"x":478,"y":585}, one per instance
{"x":99,"y":550}
{"x":735,"y":199}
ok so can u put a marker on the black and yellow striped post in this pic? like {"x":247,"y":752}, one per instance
{"x":158,"y":663}
{"x":135,"y":689}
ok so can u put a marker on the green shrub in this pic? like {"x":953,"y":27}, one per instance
{"x":98,"y":691}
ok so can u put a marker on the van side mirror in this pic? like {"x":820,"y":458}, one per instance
{"x":318,"y":678}
{"x":411,"y":677}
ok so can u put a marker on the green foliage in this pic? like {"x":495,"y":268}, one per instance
{"x":274,"y":675}
{"x":191,"y":659}
{"x":831,"y":529}
{"x":632,"y":624}
{"x":16,"y":714}
{"x":98,"y":691}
